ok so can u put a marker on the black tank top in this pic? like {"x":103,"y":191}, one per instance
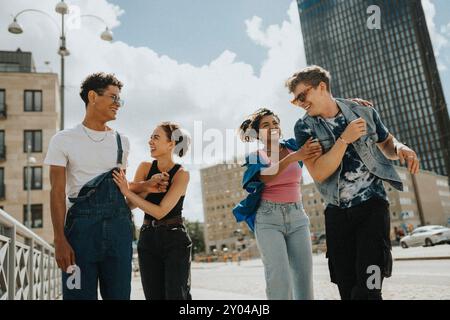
{"x":156,"y":198}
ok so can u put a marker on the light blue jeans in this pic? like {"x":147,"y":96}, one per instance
{"x":284,"y":241}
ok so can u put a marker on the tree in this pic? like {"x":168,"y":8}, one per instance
{"x":195,"y":231}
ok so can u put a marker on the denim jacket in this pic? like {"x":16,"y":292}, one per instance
{"x":246,"y":209}
{"x":366,"y":148}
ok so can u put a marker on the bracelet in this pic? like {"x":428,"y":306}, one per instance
{"x":344,"y":141}
{"x":397,"y":145}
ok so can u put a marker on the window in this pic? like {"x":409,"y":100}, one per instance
{"x":2,"y":183}
{"x":36,"y":215}
{"x":33,"y":100}
{"x":407,"y":214}
{"x":9,"y":67}
{"x":440,"y":183}
{"x":2,"y":103}
{"x":34,"y":139}
{"x":405,"y":201}
{"x":2,"y":145}
{"x":36,"y":178}
{"x":444,"y":193}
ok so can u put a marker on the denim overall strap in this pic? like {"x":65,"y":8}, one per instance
{"x":119,"y":149}
{"x":95,"y":182}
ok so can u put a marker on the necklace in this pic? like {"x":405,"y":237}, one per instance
{"x":96,"y":141}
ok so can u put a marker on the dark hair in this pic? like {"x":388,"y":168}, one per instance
{"x":312,"y":75}
{"x":249,"y":129}
{"x":98,"y":82}
{"x":175,"y":133}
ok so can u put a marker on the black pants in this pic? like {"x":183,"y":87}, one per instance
{"x":165,"y":262}
{"x":359,"y":248}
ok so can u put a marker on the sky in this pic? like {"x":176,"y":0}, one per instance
{"x":187,"y":61}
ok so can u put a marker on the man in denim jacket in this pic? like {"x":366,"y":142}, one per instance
{"x":357,"y":149}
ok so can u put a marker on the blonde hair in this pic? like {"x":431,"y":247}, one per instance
{"x":312,"y":75}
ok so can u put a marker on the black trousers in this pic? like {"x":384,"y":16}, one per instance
{"x":165,"y":262}
{"x":359,"y":248}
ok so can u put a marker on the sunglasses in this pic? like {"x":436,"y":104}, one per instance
{"x":301,"y":97}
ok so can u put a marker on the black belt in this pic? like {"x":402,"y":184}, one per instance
{"x":165,"y":222}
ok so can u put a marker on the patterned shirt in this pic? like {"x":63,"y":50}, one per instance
{"x":356,"y":183}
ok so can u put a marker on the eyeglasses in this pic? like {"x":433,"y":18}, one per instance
{"x":301,"y":97}
{"x":116,"y":100}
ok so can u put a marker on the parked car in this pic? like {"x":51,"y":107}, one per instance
{"x":318,"y":237}
{"x":426,"y":236}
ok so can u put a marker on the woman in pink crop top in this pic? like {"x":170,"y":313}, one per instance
{"x":281,"y":225}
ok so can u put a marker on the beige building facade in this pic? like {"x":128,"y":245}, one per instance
{"x":222,"y":190}
{"x":29,"y":116}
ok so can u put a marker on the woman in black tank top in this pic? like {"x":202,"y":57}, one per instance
{"x":156,"y":198}
{"x":164,"y":246}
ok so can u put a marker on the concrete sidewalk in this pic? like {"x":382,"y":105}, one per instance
{"x":197,"y":293}
{"x":423,"y":279}
{"x":440,"y":252}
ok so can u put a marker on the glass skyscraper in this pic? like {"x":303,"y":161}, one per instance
{"x":393,"y":65}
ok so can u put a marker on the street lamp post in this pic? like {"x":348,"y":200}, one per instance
{"x":62,"y":9}
{"x":30,"y":161}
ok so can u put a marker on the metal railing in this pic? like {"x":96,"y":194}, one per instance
{"x":28,"y":269}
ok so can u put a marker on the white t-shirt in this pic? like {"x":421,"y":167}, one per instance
{"x":83,"y":158}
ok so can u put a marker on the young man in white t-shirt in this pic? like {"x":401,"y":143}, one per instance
{"x":96,"y":235}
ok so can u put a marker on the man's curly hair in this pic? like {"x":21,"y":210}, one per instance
{"x":98,"y":82}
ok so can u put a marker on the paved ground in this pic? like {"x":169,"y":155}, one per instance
{"x":415,"y":279}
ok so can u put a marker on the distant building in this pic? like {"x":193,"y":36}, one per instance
{"x":314,"y":206}
{"x":29,"y":115}
{"x":425,"y":200}
{"x":222,"y":190}
{"x":393,"y":65}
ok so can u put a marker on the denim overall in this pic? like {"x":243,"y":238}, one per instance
{"x":99,"y":229}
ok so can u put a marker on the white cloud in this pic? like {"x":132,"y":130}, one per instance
{"x":158,"y":88}
{"x":439,"y":38}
